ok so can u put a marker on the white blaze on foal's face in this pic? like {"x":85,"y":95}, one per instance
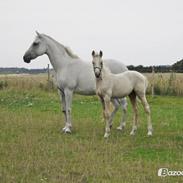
{"x":97,"y":63}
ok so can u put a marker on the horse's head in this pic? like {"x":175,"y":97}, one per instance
{"x":97,"y":63}
{"x":37,"y":48}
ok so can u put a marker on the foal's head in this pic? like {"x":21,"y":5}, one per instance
{"x":37,"y":48}
{"x":97,"y":63}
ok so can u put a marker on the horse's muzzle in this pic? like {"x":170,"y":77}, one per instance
{"x":26,"y":59}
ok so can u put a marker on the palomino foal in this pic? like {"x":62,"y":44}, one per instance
{"x":110,"y":86}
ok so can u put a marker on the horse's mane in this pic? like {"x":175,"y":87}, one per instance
{"x":70,"y":52}
{"x":67,"y":49}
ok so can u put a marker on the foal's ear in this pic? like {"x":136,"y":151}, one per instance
{"x":38,"y":34}
{"x":100,"y":54}
{"x":93,"y":53}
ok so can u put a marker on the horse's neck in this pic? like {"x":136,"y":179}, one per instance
{"x":57,"y":55}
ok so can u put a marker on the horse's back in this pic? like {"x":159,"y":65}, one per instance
{"x":115,"y":66}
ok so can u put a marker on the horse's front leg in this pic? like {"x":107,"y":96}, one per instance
{"x":68,"y":102}
{"x":107,"y":116}
{"x":62,"y":99}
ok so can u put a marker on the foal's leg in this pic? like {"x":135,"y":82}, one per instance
{"x":148,"y":111}
{"x":107,"y":116}
{"x":135,"y":115}
{"x":103,"y":105}
{"x":123,"y":102}
{"x":68,"y":101}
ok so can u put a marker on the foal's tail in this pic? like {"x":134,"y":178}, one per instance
{"x":146,"y":83}
{"x":145,"y":89}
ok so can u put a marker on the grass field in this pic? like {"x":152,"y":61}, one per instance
{"x":33,"y":148}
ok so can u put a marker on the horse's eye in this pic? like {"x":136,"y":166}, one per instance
{"x":93,"y":63}
{"x":35,"y":43}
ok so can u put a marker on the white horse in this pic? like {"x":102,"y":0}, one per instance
{"x":128,"y":83}
{"x":72,"y":74}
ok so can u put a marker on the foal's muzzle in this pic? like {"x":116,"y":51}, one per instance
{"x":97,"y":71}
{"x":97,"y":75}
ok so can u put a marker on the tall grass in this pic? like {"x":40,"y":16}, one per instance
{"x":26,"y":82}
{"x":164,"y":84}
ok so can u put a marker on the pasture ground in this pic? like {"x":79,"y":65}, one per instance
{"x":33,"y":149}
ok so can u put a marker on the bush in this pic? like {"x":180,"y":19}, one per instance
{"x":3,"y":84}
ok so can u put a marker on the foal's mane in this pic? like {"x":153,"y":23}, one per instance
{"x":67,"y":49}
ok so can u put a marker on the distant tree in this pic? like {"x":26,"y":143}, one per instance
{"x":178,"y":66}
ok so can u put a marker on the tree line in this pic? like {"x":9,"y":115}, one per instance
{"x":176,"y":67}
{"x":16,"y":70}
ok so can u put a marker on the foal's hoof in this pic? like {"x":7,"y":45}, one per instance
{"x":149,"y":133}
{"x":106,"y":135}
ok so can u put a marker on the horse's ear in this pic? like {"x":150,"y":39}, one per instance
{"x":93,"y":53}
{"x":100,"y":54}
{"x":38,"y":34}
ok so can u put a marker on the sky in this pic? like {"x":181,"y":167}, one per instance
{"x":143,"y":32}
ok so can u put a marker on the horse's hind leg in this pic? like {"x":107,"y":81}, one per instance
{"x":133,"y":100}
{"x":123,"y":103}
{"x":116,"y":105}
{"x":148,"y":111}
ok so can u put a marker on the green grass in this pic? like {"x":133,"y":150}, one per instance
{"x":33,"y":149}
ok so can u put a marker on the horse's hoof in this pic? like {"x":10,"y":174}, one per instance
{"x":149,"y":133}
{"x":132,"y":133}
{"x":67,"y":130}
{"x":106,"y":135}
{"x":119,"y":128}
{"x":63,"y":129}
